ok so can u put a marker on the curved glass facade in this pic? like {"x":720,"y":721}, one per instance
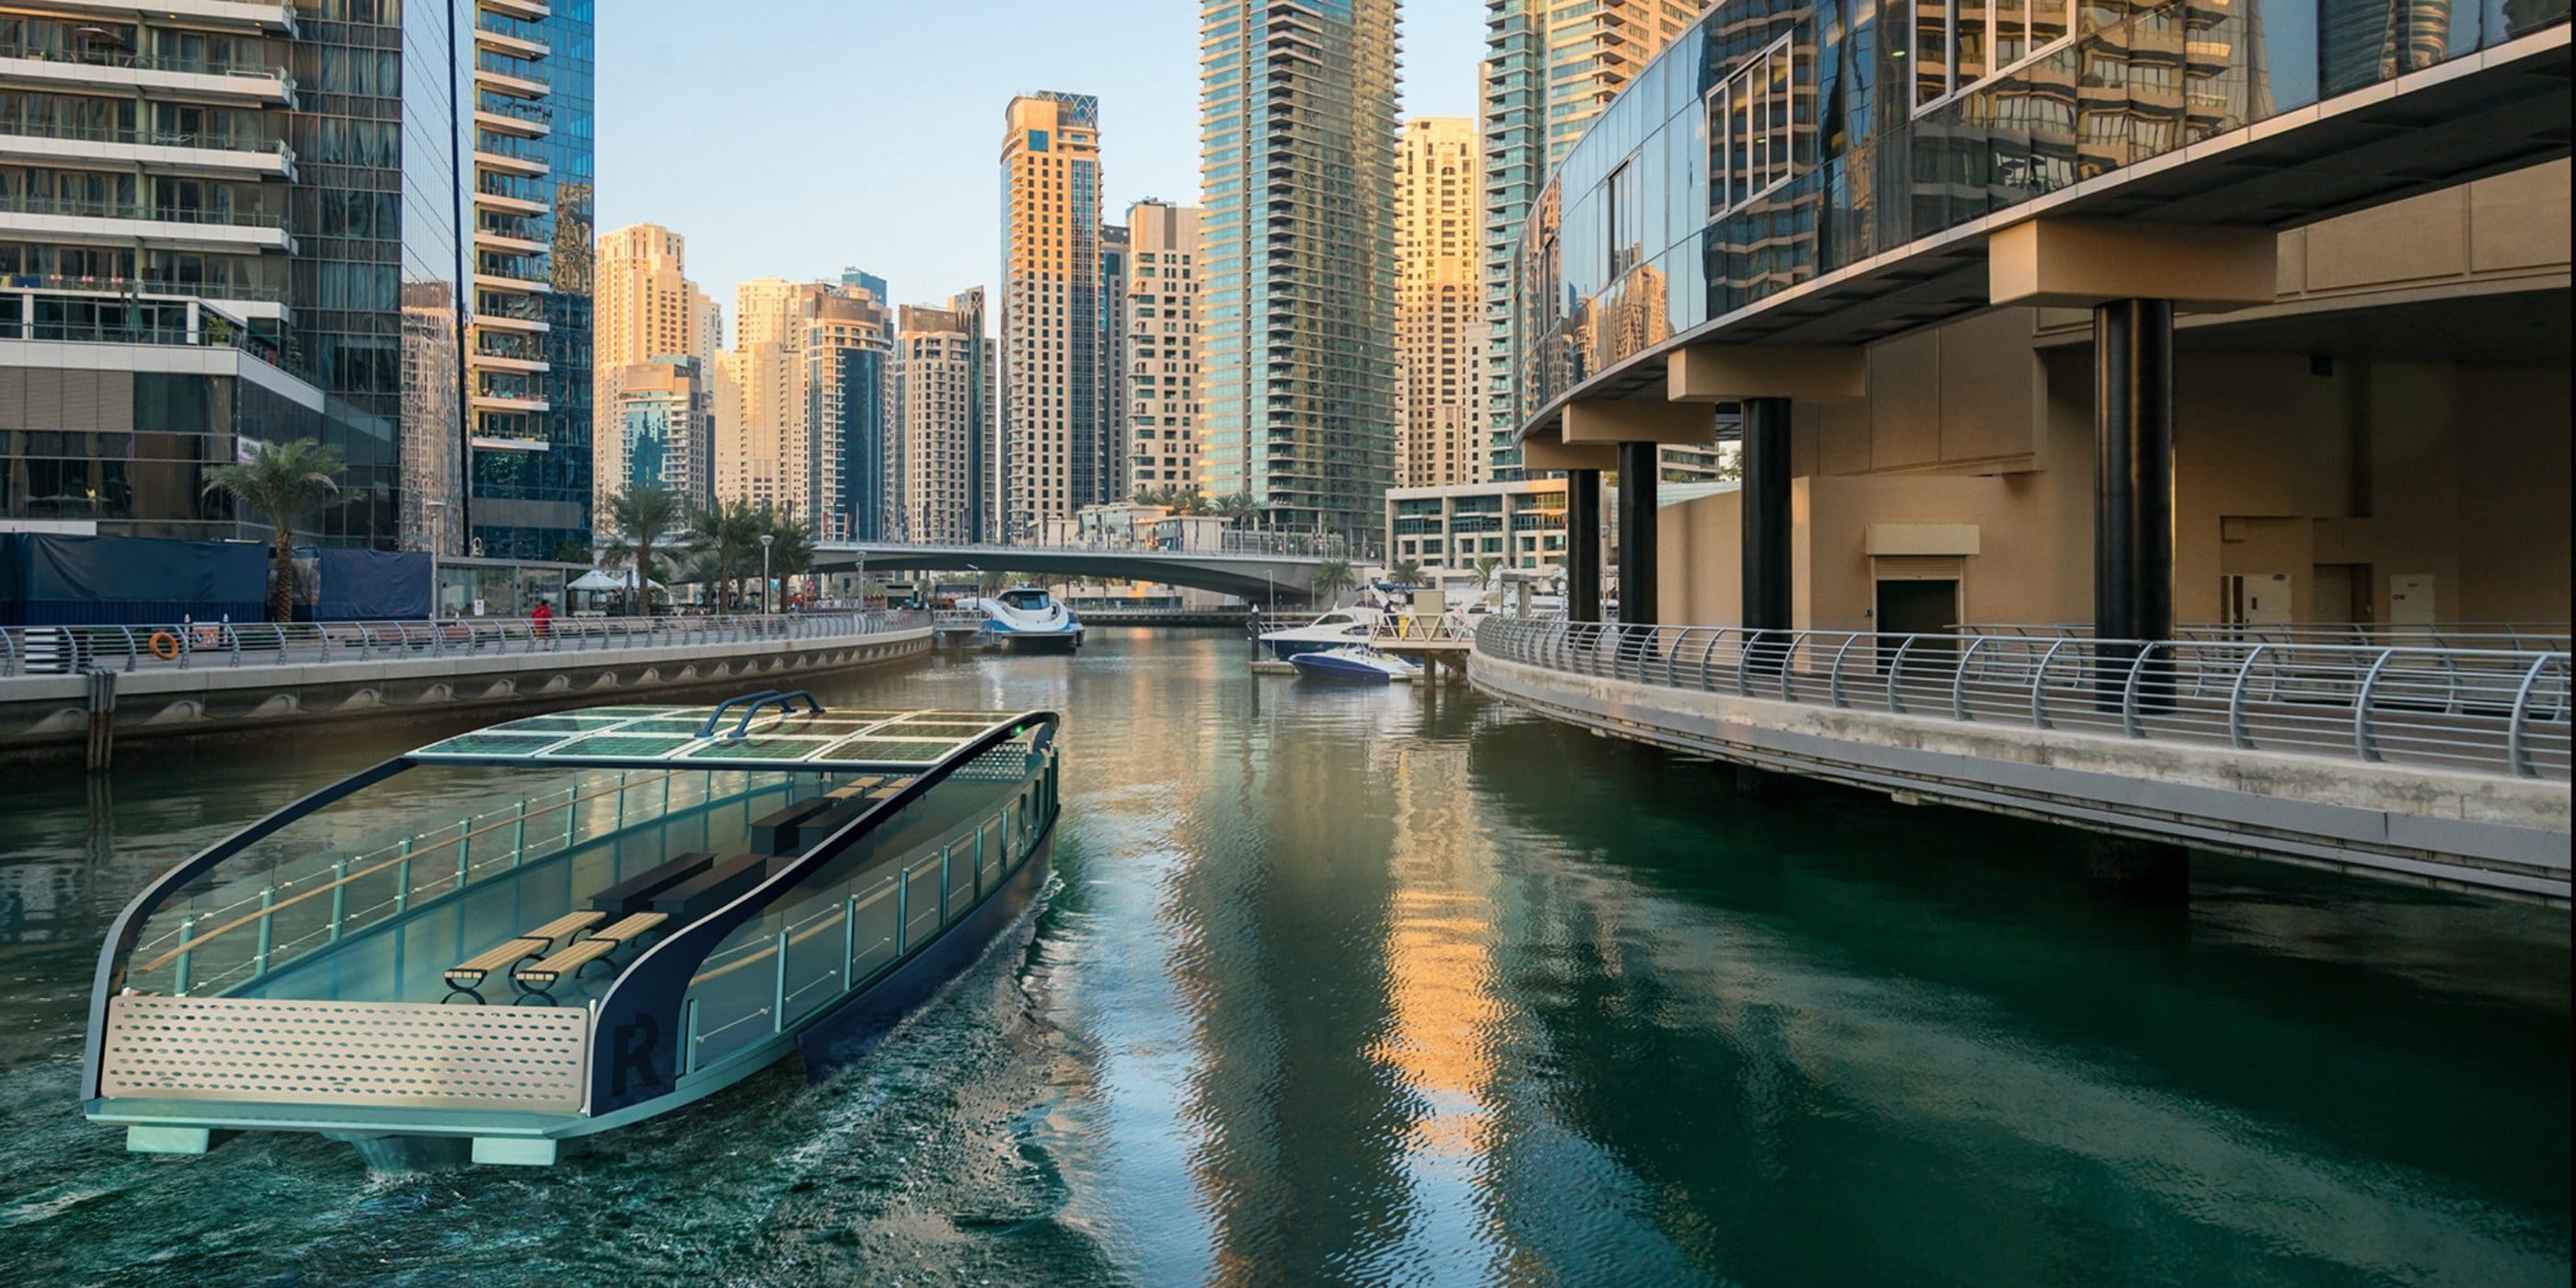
{"x":1777,"y":142}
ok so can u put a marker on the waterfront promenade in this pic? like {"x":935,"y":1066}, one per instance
{"x":198,"y":678}
{"x":2448,"y":766}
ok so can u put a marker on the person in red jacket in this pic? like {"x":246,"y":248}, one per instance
{"x":541,"y":618}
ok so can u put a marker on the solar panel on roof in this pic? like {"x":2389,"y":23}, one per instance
{"x":663,"y":735}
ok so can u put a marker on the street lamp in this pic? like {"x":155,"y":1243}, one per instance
{"x":765,"y":539}
{"x":437,"y":545}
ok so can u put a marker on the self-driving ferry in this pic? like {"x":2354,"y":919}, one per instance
{"x":607,"y":914}
{"x":1026,"y":617}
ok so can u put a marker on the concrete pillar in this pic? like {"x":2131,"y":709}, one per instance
{"x":1583,"y":545}
{"x":2133,"y":426}
{"x":1640,"y":466}
{"x":1764,"y":500}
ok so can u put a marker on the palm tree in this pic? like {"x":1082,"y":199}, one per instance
{"x":1486,"y":567}
{"x":729,"y":532}
{"x":644,"y":521}
{"x":791,"y":548}
{"x":1406,"y":572}
{"x":1332,"y":577}
{"x":992,"y":583}
{"x":285,"y":483}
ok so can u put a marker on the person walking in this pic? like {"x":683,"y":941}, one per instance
{"x":541,"y":618}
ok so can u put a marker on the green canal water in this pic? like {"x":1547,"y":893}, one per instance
{"x":1406,"y":987}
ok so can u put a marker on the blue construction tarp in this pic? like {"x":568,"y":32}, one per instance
{"x":61,"y":579}
{"x":363,"y":585}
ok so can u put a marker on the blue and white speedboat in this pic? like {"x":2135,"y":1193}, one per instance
{"x":1334,"y":629}
{"x":1357,"y":663}
{"x":612,"y":912}
{"x":1026,"y":617}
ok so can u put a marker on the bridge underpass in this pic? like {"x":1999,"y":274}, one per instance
{"x":1255,"y":576}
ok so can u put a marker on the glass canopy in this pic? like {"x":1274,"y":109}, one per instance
{"x":705,"y":736}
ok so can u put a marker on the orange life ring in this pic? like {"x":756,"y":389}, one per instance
{"x":165,"y":646}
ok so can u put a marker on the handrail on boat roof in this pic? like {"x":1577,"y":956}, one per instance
{"x":786,"y":707}
{"x":708,"y":730}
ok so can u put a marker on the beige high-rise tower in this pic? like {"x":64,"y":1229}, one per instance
{"x":1440,"y":435}
{"x":941,"y":378}
{"x":1051,"y":310}
{"x":646,"y":308}
{"x":1162,"y":346}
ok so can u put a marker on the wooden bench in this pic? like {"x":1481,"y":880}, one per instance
{"x":539,"y":980}
{"x":635,"y":893}
{"x":465,"y":978}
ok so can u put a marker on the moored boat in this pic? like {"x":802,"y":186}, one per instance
{"x":614,"y":912}
{"x":1027,"y":617}
{"x":1357,"y":663}
{"x":1333,"y":629}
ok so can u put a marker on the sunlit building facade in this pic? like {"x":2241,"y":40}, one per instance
{"x":1437,"y":328}
{"x":1051,"y":310}
{"x":943,"y":382}
{"x":666,"y":428}
{"x":647,"y":310}
{"x":848,"y":348}
{"x":1161,"y":352}
{"x":272,"y":186}
{"x":1550,"y":67}
{"x":1297,"y":404}
{"x":528,"y":363}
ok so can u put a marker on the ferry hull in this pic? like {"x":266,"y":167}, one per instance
{"x":854,"y":1028}
{"x":1316,"y":666}
{"x":1036,"y":641}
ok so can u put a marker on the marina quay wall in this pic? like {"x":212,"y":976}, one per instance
{"x":2457,"y":830}
{"x":45,"y":716}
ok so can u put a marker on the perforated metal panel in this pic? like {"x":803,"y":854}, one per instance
{"x":392,"y":1055}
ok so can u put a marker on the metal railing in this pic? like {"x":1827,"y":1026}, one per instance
{"x":1421,"y":628}
{"x":187,"y":644}
{"x":956,"y":619}
{"x":2514,"y":636}
{"x":2481,"y":710}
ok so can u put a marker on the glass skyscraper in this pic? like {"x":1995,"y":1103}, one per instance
{"x":529,"y":356}
{"x":1297,"y":136}
{"x":1051,"y":311}
{"x":1550,"y":67}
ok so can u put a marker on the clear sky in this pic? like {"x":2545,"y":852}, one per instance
{"x":793,"y":137}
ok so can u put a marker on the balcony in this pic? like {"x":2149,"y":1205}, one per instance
{"x":506,"y":75}
{"x":501,"y":241}
{"x":173,"y":228}
{"x":269,"y":16}
{"x":509,"y":286}
{"x":140,"y":74}
{"x":528,"y":10}
{"x":505,"y":163}
{"x":515,"y":46}
{"x":151,"y":150}
{"x":504,"y":362}
{"x":525,"y":121}
{"x":510,"y":404}
{"x":494,"y":192}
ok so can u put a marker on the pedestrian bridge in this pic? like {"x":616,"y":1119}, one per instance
{"x":1254,"y":574}
{"x":2445,"y":766}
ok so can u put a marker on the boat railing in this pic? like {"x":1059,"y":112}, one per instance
{"x":189,"y":644}
{"x":808,"y":953}
{"x":260,"y":919}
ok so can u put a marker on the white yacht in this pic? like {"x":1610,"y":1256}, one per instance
{"x":1332,"y":630}
{"x":1026,"y":617}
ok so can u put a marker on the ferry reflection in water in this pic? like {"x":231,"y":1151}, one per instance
{"x":1395,"y":985}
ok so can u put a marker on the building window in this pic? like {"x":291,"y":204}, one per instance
{"x":1626,"y":221}
{"x":1960,"y":45}
{"x":1750,"y":135}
